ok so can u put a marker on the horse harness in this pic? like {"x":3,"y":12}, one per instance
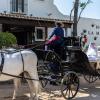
{"x":9,"y":52}
{"x":2,"y":62}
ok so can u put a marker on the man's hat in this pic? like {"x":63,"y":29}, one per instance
{"x":59,"y":23}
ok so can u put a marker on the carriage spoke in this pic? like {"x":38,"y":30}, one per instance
{"x":72,"y":92}
{"x":90,"y":78}
{"x":65,"y":88}
{"x":66,"y":92}
{"x":69,"y":93}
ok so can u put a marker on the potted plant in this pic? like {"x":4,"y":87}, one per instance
{"x":7,"y":40}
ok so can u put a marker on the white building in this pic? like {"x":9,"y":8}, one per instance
{"x":45,"y":9}
{"x":41,"y":10}
{"x":36,"y":8}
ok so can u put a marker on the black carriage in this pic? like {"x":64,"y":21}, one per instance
{"x":74,"y":63}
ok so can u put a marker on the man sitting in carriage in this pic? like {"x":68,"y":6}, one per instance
{"x":56,"y":41}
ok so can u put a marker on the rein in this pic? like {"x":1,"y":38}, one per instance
{"x":2,"y":62}
{"x":33,"y":46}
{"x":18,"y":76}
{"x":22,"y":63}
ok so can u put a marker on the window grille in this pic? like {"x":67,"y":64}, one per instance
{"x":17,"y":6}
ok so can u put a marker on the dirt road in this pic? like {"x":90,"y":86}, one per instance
{"x":86,"y":92}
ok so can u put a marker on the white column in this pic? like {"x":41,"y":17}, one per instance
{"x":69,"y":31}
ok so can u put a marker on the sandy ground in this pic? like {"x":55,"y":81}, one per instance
{"x":86,"y":92}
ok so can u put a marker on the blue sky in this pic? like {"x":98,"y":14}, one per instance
{"x":91,"y":11}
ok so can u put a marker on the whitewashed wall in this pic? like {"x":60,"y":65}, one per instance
{"x":44,"y":8}
{"x":38,"y":8}
{"x":4,"y":5}
{"x":91,"y":32}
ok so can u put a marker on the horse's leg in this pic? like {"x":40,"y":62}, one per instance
{"x":30,"y":85}
{"x":17,"y":83}
{"x":34,"y":84}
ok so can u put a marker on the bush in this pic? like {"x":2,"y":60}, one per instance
{"x":7,"y":39}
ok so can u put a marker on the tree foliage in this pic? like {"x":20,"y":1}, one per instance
{"x":82,"y":6}
{"x":77,"y":15}
{"x":7,"y":39}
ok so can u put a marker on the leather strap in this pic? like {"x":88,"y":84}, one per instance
{"x":2,"y":61}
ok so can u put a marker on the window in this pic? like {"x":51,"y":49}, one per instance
{"x":92,"y":25}
{"x":95,"y":38}
{"x":84,"y":30}
{"x":39,"y":34}
{"x":97,"y":33}
{"x":17,"y":6}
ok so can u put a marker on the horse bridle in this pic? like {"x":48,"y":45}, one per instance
{"x":2,"y":62}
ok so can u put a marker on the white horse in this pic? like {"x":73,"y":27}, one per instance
{"x":15,"y":65}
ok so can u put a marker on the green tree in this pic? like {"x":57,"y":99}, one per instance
{"x":7,"y":39}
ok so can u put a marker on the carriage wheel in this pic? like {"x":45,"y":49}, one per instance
{"x":69,"y":85}
{"x":42,"y":73}
{"x":51,"y":57}
{"x":93,"y":76}
{"x":90,"y":78}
